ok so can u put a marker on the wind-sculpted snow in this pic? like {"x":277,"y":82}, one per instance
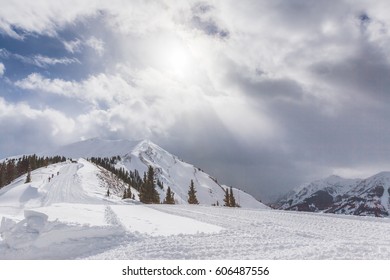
{"x":35,"y":237}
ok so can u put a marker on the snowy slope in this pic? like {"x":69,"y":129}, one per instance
{"x":170,"y":170}
{"x":69,"y":182}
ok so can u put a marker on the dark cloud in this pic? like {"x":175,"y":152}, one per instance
{"x":203,"y":21}
{"x":268,"y":88}
{"x":364,"y":73}
{"x":209,"y":27}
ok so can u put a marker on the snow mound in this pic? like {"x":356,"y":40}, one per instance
{"x":35,"y":231}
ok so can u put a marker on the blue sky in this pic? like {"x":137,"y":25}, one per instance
{"x":265,"y":95}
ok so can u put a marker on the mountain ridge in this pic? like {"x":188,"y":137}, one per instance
{"x":334,"y":194}
{"x":170,"y":170}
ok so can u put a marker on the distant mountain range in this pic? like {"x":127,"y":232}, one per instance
{"x":363,"y":197}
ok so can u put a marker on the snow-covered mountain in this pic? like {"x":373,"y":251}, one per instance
{"x":169,"y":169}
{"x":318,"y":195}
{"x":368,"y":197}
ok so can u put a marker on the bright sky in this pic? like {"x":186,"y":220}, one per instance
{"x":265,"y":95}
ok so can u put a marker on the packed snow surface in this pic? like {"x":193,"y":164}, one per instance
{"x":70,"y":217}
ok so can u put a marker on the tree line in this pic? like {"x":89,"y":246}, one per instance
{"x":10,"y":169}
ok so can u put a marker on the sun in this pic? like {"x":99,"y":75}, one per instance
{"x":173,"y":56}
{"x":176,"y":59}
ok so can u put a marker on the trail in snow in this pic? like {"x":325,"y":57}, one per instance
{"x":67,"y":187}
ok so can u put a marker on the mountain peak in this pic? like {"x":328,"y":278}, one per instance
{"x":169,"y":170}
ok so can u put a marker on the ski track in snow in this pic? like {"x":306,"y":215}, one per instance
{"x":264,"y":234}
{"x":243,"y":234}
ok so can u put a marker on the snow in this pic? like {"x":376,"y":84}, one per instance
{"x":74,"y":231}
{"x":71,"y":217}
{"x":145,"y":220}
{"x":263,"y":234}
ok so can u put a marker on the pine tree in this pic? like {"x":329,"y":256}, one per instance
{"x":170,"y":197}
{"x":11,"y":171}
{"x":232,"y":200}
{"x":127,"y":193}
{"x":148,"y":193}
{"x":2,"y":175}
{"x":192,"y":194}
{"x":28,"y":179}
{"x":227,"y":198}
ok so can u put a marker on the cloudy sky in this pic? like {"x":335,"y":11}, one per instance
{"x":265,"y":95}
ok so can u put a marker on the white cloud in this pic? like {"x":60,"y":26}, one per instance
{"x":2,"y":69}
{"x":101,"y":88}
{"x":44,"y":61}
{"x":38,"y":60}
{"x":34,"y":129}
{"x":96,"y":44}
{"x":42,"y":16}
{"x":73,"y":46}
